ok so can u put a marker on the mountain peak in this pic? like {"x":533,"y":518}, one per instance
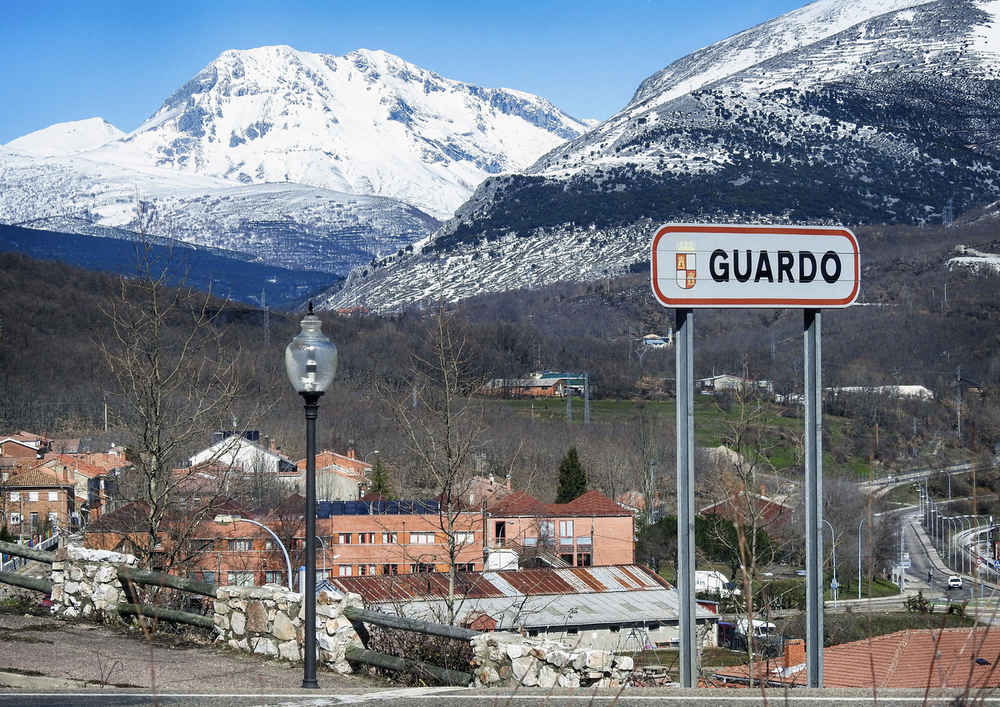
{"x":364,"y":123}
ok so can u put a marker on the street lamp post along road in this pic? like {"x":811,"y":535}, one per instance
{"x":311,"y":364}
{"x":860,"y":522}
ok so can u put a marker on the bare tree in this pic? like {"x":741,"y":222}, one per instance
{"x":740,"y":465}
{"x":443,"y":424}
{"x":175,"y":378}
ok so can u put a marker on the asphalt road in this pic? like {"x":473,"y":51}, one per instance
{"x":462,"y":697}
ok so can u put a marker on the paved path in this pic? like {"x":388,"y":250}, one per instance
{"x":45,"y":653}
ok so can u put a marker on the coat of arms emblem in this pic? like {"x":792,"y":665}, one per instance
{"x":686,"y":270}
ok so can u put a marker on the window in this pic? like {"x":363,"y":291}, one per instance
{"x":240,"y":579}
{"x":53,"y":518}
{"x":567,"y":557}
{"x":200,"y":545}
{"x":208,"y":577}
{"x":465,"y":538}
{"x":466,"y":567}
{"x":565,"y":532}
{"x":32,"y":495}
{"x":390,"y":569}
{"x":531,"y":541}
{"x":583,"y":559}
{"x":546,"y":529}
{"x":422,"y":538}
{"x":344,"y":538}
{"x":34,"y":520}
{"x":389,"y":538}
{"x":366,"y":570}
{"x":345,"y":570}
{"x":15,"y":496}
{"x":583,"y":540}
{"x":53,"y":495}
{"x":366,"y":538}
{"x":272,"y":577}
{"x":421,"y":568}
{"x":241,"y":545}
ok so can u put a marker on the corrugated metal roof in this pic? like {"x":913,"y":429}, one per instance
{"x":531,"y":599}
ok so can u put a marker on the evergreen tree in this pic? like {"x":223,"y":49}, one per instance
{"x":380,"y":483}
{"x":572,"y":478}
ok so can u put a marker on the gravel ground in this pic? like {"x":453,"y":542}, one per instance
{"x":93,"y":655}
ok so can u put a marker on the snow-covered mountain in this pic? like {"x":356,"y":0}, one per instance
{"x":867,"y":111}
{"x":307,"y":160}
{"x":64,"y":139}
{"x":366,"y":123}
{"x":287,"y":225}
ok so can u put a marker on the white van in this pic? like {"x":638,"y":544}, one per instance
{"x":715,"y":583}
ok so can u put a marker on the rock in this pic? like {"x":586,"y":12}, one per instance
{"x":265,"y":646}
{"x":526,"y":671}
{"x":256,"y":618}
{"x":239,"y":623}
{"x":547,"y":676}
{"x":284,"y":629}
{"x":289,"y":650}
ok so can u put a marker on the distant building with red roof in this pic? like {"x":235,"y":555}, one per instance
{"x":589,"y":530}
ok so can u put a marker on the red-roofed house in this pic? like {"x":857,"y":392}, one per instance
{"x":918,"y":658}
{"x":35,"y":497}
{"x":92,"y":484}
{"x":590,"y":530}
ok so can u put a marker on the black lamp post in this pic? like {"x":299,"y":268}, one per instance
{"x":311,"y":363}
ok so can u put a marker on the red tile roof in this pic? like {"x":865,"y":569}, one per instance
{"x":926,"y":658}
{"x":75,"y":464}
{"x":39,"y":477}
{"x":592,"y":503}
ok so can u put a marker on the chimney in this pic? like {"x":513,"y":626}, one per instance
{"x":795,"y":652}
{"x":350,"y":454}
{"x":763,"y":490}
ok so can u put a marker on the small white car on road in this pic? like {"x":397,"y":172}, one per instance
{"x":954,"y":582}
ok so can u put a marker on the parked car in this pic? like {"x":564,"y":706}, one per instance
{"x":954,"y":582}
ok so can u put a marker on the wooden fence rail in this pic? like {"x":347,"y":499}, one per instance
{"x":356,"y":654}
{"x":28,"y":552}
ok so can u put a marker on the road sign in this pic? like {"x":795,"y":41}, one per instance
{"x":905,"y":564}
{"x":996,"y":564}
{"x":979,"y":561}
{"x":834,"y":584}
{"x":707,"y":265}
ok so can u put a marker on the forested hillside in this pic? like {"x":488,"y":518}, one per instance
{"x":921,"y":323}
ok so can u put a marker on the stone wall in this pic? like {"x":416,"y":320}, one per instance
{"x":85,"y":582}
{"x":269,"y":620}
{"x":503,"y":659}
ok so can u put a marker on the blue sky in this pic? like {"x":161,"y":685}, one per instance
{"x":70,"y":60}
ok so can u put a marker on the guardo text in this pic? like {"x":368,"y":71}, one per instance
{"x":785,"y":266}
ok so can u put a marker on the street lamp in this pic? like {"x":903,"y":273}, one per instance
{"x":229,"y":520}
{"x":874,"y":515}
{"x":835,"y":586}
{"x":311,"y":363}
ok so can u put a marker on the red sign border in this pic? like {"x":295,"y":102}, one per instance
{"x":784,"y":302}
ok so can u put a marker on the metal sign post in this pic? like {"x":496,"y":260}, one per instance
{"x":685,"y":494}
{"x":751,"y":266}
{"x":814,"y":497}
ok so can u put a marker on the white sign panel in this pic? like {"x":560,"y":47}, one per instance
{"x":710,"y":265}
